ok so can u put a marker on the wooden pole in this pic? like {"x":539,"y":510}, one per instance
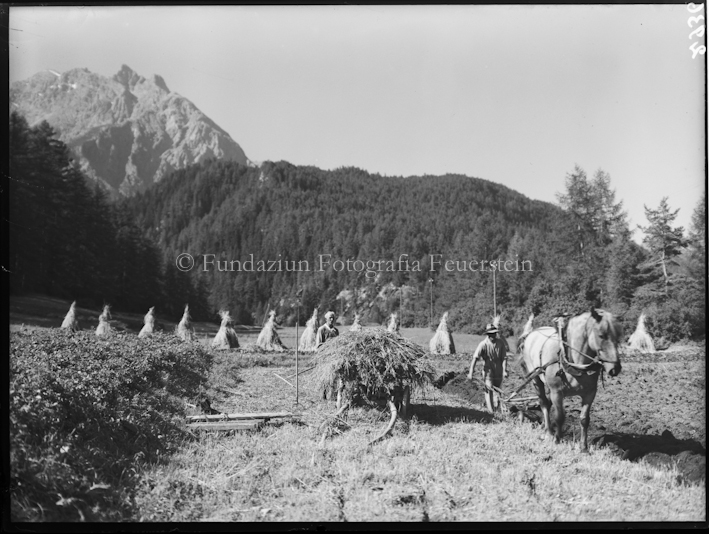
{"x":401,"y":304}
{"x":430,"y":315}
{"x":297,"y":320}
{"x":494,"y":295}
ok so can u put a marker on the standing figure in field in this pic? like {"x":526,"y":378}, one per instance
{"x":493,"y":351}
{"x":70,"y":321}
{"x":104,"y":327}
{"x":148,"y":323}
{"x":327,"y":330}
{"x":309,"y":338}
{"x":184,"y":329}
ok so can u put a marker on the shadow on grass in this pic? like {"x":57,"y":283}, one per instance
{"x":637,"y":446}
{"x":441,"y":414}
{"x":688,"y":455}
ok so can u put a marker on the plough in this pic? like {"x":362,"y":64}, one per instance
{"x":513,"y":399}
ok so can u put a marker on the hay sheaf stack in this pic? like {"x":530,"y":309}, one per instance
{"x":442,"y":341}
{"x":148,"y":323}
{"x":379,"y":360}
{"x":70,"y":321}
{"x":309,"y":339}
{"x":104,"y":327}
{"x":226,"y":337}
{"x":185,"y":331}
{"x":641,"y":340}
{"x":268,"y":338}
{"x":355,"y":326}
{"x":393,"y":325}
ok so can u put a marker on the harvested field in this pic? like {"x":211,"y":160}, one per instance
{"x":646,"y":461}
{"x":655,"y":409}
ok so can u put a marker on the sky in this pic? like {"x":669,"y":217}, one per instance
{"x":517,"y":95}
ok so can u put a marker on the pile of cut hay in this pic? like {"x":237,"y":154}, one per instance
{"x":355,"y":326}
{"x":104,"y":328}
{"x":268,"y":338}
{"x":226,"y":337}
{"x":641,"y":340}
{"x":148,"y":323}
{"x":374,"y":358}
{"x":442,"y":341}
{"x":393,"y":323}
{"x":184,"y":329}
{"x":70,"y":321}
{"x":309,"y":339}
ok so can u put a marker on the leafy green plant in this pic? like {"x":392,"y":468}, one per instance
{"x":85,"y":412}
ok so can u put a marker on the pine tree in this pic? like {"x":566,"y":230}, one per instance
{"x":664,"y":241}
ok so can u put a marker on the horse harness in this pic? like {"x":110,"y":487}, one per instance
{"x":564,"y":360}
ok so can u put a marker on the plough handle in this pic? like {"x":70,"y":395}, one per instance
{"x":535,"y":374}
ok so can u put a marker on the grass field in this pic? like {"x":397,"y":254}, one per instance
{"x":450,"y":461}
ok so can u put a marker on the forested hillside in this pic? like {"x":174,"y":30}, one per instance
{"x":288,"y":213}
{"x":558,"y":260}
{"x":291,"y":238}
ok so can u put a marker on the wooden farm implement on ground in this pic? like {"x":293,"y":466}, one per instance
{"x":233,"y":421}
{"x":513,"y":403}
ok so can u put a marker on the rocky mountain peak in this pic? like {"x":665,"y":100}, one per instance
{"x":127,"y":132}
{"x":127,"y":77}
{"x":158,"y":80}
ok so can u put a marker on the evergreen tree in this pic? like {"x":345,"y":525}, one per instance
{"x":664,"y":241}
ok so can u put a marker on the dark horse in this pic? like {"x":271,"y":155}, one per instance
{"x":571,"y":366}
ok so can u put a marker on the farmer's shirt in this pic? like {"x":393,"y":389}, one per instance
{"x":325,"y":333}
{"x":493,"y":354}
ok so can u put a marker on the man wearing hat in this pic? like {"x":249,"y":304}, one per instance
{"x":327,"y":330}
{"x":493,"y":351}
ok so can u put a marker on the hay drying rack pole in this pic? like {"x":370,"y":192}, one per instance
{"x":286,"y":381}
{"x":298,"y":295}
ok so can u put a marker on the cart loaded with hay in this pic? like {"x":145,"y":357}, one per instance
{"x":369,"y":366}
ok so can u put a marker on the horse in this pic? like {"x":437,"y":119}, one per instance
{"x":570,"y":365}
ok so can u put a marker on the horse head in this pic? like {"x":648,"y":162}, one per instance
{"x":604,"y":335}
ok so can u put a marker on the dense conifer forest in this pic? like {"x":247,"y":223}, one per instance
{"x":290,"y":238}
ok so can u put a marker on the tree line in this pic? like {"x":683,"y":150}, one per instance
{"x":68,"y":240}
{"x":580,"y":250}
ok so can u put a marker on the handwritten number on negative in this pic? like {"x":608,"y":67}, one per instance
{"x":694,"y":8}
{"x":695,"y":19}
{"x":699,"y":32}
{"x":697,"y":49}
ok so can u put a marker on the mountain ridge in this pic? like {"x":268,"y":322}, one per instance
{"x":125,"y":131}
